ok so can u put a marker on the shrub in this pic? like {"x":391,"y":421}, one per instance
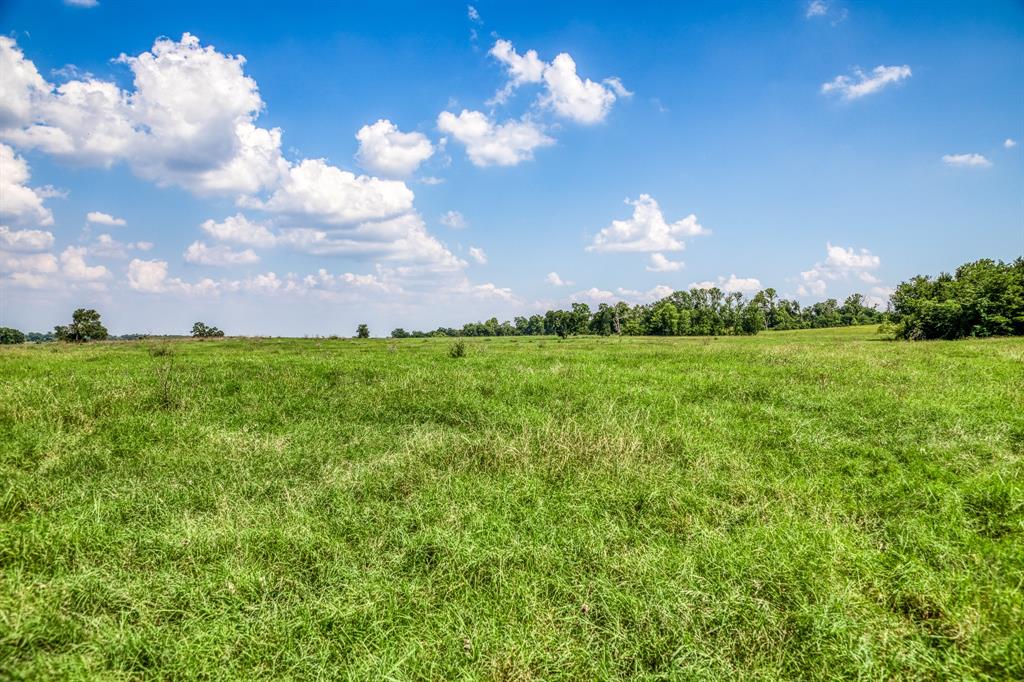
{"x":10,"y":336}
{"x":457,"y":349}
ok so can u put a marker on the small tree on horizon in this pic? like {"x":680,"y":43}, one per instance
{"x":201,"y":331}
{"x":85,"y":326}
{"x":362,"y":332}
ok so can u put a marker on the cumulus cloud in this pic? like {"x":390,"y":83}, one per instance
{"x":24,"y":240}
{"x":20,"y":203}
{"x":188,"y":121}
{"x":730,"y":284}
{"x":492,"y":144}
{"x":99,"y":218}
{"x":554,"y":280}
{"x":840,"y":264}
{"x":454,"y":220}
{"x":864,"y":84}
{"x":966,"y":160}
{"x":1009,"y":143}
{"x":238,"y":229}
{"x":659,"y":263}
{"x":566,"y":93}
{"x":317,"y":190}
{"x":74,"y":267}
{"x":218,"y":256}
{"x":477,"y":254}
{"x":386,"y":150}
{"x":647,"y":230}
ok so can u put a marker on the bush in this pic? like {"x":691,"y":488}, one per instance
{"x":457,"y":349}
{"x":10,"y":336}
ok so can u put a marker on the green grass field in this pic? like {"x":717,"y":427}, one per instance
{"x":814,"y":504}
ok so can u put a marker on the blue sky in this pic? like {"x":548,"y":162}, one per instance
{"x":592,"y":152}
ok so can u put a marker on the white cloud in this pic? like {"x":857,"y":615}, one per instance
{"x":566,"y":93}
{"x":491,"y":144}
{"x":554,"y":280}
{"x":527,"y":68}
{"x":596,"y":295}
{"x":840,"y":264}
{"x":24,"y":240}
{"x":730,"y":284}
{"x":881,"y":76}
{"x":188,"y":121}
{"x":473,"y":15}
{"x":18,"y":202}
{"x":314,"y":189}
{"x":238,"y":229}
{"x":583,"y":101}
{"x":404,"y":238}
{"x":218,"y":256}
{"x":659,"y":263}
{"x":966,"y":160}
{"x":454,"y":220}
{"x":98,"y":218}
{"x":477,"y":254}
{"x":19,"y":87}
{"x":816,"y":8}
{"x":74,"y":267}
{"x":386,"y":150}
{"x":106,"y":246}
{"x":647,"y":230}
{"x":1009,"y":143}
{"x":82,"y":3}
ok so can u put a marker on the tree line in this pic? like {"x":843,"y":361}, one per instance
{"x":697,"y":312}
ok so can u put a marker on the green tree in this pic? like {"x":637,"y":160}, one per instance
{"x":85,"y":326}
{"x":201,"y":331}
{"x":362,"y":332}
{"x":664,"y":319}
{"x":10,"y":336}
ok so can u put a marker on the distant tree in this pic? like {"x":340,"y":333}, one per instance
{"x":85,"y":326}
{"x":201,"y":331}
{"x":10,"y":336}
{"x":399,"y":333}
{"x":362,"y":332}
{"x":40,"y":337}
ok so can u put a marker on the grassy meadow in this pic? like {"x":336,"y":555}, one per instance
{"x":812,"y":504}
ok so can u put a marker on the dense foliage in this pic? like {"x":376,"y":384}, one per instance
{"x":362,"y":332}
{"x":201,"y":331}
{"x":85,"y":326}
{"x":698,"y":312}
{"x":10,"y":336}
{"x":983,"y":298}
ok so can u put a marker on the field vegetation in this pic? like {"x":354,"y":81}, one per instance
{"x":813,"y":504}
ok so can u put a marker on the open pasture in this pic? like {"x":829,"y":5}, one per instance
{"x":814,"y":504}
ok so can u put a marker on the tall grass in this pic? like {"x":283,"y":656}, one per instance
{"x":802,"y":504}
